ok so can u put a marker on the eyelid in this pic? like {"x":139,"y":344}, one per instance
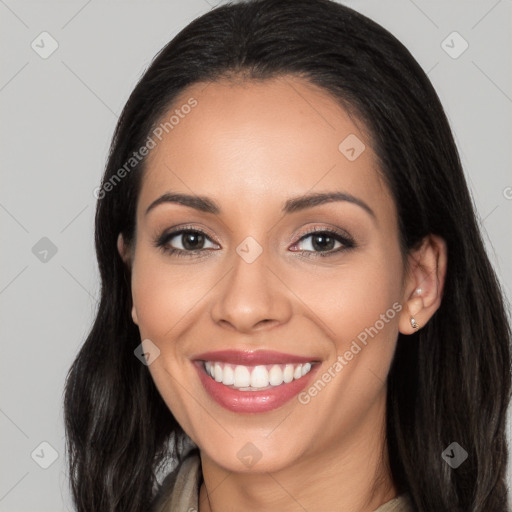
{"x":341,"y":236}
{"x":179,"y":229}
{"x":323,"y":229}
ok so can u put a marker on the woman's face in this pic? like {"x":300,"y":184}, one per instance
{"x":248,"y":276}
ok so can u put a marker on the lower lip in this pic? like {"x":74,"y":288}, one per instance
{"x":252,"y":401}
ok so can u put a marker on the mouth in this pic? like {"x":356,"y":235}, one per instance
{"x":253,"y":381}
{"x":255,"y":378}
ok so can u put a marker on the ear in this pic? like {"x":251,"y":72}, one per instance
{"x":125,"y":253}
{"x":122,"y":248}
{"x":424,"y":283}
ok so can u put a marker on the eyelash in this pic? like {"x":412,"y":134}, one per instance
{"x":345,"y":239}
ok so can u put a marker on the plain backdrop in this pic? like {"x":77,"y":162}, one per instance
{"x":58,"y":113}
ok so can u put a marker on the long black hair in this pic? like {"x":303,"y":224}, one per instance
{"x":449,"y":382}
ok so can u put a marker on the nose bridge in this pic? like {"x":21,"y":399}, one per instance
{"x":251,"y":293}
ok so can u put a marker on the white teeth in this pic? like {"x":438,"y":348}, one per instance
{"x":228,"y":378}
{"x":253,"y":378}
{"x":217,"y":373}
{"x":208,"y":368}
{"x":242,"y":377}
{"x":259,"y":377}
{"x":275,"y":376}
{"x":288,"y":373}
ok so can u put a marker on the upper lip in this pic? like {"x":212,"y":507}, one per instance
{"x":252,"y":358}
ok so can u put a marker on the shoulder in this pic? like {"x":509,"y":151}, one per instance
{"x":180,"y":488}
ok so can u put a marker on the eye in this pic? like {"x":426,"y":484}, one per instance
{"x":324,"y":242}
{"x":192,"y":242}
{"x":184,"y":242}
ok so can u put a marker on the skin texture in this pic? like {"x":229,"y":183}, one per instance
{"x":250,"y":146}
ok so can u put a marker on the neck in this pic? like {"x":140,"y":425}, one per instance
{"x":350,"y":474}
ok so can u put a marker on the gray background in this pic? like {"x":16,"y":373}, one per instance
{"x":58,"y":115}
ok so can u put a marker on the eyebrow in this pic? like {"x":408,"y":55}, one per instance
{"x":295,"y":204}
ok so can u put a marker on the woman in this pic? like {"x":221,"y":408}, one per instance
{"x":296,"y":302}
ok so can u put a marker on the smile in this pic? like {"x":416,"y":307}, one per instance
{"x":253,"y":382}
{"x":255,"y":378}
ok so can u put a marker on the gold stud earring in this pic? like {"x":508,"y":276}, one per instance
{"x":414,"y":323}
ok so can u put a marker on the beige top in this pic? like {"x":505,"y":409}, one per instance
{"x":180,"y":491}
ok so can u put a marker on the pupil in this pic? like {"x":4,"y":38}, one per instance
{"x":325,"y":242}
{"x":191,"y":240}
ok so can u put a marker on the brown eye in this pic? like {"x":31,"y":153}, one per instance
{"x":192,"y":240}
{"x":184,"y":241}
{"x":324,"y":242}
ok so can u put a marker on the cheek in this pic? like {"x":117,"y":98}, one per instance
{"x":360,"y":295}
{"x":368,"y":323}
{"x":164,"y":294}
{"x":359,"y":309}
{"x":366,"y":302}
{"x":163,"y":298}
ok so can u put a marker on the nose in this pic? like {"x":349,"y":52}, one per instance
{"x":251,"y":297}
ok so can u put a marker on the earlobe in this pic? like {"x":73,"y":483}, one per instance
{"x":125,"y":256}
{"x":134,"y":316}
{"x":122,"y":249}
{"x":120,"y":246}
{"x":424,"y":285}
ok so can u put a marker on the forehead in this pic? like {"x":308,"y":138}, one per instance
{"x":254,"y":143}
